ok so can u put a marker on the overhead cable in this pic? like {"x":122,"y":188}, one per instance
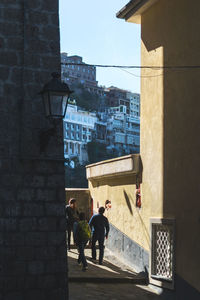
{"x":131,"y":67}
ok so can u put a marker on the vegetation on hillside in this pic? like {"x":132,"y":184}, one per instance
{"x":97,"y":152}
{"x":85,"y":99}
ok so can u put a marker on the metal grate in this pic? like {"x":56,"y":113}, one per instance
{"x":162,"y":250}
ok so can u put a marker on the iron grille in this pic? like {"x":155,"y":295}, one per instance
{"x":162,"y":251}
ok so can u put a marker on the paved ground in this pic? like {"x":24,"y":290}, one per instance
{"x":107,"y":282}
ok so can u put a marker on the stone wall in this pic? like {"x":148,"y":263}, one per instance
{"x":32,"y":198}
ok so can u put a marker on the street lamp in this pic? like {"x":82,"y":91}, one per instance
{"x":55,"y":94}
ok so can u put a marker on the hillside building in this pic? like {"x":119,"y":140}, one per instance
{"x":74,"y":71}
{"x":78,"y":127}
{"x":123,"y":131}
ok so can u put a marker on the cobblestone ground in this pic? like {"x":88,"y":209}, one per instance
{"x":91,"y":291}
{"x":105,"y":291}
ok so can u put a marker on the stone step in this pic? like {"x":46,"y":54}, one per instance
{"x":135,"y":280}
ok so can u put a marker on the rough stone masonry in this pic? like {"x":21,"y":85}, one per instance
{"x":33,"y":263}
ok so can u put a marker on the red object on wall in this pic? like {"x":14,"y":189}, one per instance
{"x":138,"y":196}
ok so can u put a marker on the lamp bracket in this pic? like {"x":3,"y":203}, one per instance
{"x":45,"y":135}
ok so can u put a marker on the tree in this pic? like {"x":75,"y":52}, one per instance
{"x":97,"y":152}
{"x":75,"y":177}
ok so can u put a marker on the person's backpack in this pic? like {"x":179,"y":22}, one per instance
{"x":84,"y":231}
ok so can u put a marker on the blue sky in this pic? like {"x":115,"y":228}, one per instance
{"x":89,"y":28}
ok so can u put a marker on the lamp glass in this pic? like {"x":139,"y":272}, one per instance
{"x":55,"y":104}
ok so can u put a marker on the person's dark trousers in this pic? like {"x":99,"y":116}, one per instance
{"x":81,"y":257}
{"x":69,"y":230}
{"x":100,"y":239}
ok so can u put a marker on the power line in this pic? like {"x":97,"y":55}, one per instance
{"x":141,"y":76}
{"x":131,"y":67}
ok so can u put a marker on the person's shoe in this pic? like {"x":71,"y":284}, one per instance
{"x":94,"y":260}
{"x":79,"y":262}
{"x":101,"y":263}
{"x":84,"y":268}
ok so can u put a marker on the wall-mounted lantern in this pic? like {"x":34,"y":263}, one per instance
{"x":55,"y":94}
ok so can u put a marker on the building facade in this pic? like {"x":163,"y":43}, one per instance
{"x":123,"y":131}
{"x":117,"y":130}
{"x":78,"y":128}
{"x":74,"y":71}
{"x":169,"y":147}
{"x":134,"y":104}
{"x":116,"y":97}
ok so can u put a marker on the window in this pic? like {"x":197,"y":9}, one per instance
{"x":67,"y":116}
{"x":72,"y":148}
{"x":66,"y":147}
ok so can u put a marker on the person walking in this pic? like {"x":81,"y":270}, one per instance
{"x":82,"y":235}
{"x":72,"y":218}
{"x":100,"y":228}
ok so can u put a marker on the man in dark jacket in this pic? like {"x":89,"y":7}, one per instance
{"x":100,"y":228}
{"x":71,"y":217}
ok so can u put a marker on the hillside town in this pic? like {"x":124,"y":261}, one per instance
{"x":115,"y":122}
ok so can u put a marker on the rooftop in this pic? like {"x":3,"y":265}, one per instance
{"x":132,"y":11}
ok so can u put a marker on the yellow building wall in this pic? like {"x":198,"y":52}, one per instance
{"x":83,"y":200}
{"x":124,"y":214}
{"x":170,"y":123}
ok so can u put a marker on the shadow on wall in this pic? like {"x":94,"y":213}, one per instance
{"x":129,"y":204}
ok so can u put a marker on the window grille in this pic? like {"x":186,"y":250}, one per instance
{"x":162,"y":252}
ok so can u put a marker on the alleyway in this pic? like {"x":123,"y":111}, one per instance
{"x":112,"y":281}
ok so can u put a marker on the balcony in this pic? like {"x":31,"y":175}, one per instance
{"x":129,"y":164}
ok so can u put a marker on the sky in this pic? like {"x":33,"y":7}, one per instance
{"x":90,"y":28}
